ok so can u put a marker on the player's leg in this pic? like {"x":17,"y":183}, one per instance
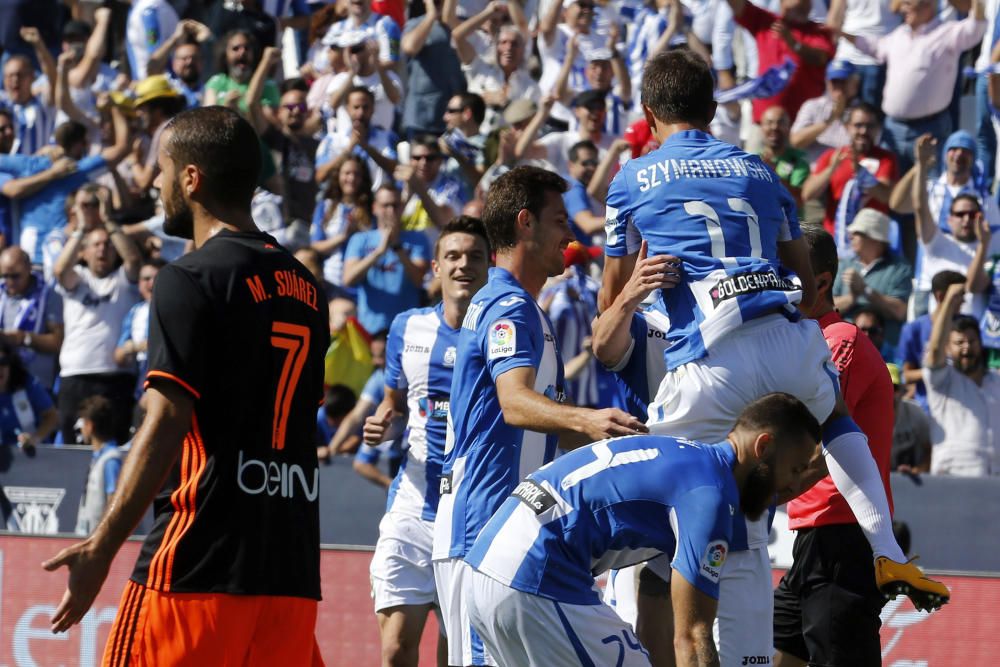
{"x":447,"y":591}
{"x":746,"y":609}
{"x":789,"y":644}
{"x":620,"y":592}
{"x":403,"y":586}
{"x":841,"y":606}
{"x":655,"y":618}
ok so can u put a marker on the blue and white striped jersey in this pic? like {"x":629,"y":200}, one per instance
{"x":34,"y":123}
{"x":380,"y":28}
{"x":609,"y":505}
{"x":420,"y":357}
{"x":149,"y":24}
{"x":571,"y":311}
{"x":722,"y":212}
{"x":485,"y":457}
{"x":642,"y":368}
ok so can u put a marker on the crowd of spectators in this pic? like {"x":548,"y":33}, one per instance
{"x":381,"y":120}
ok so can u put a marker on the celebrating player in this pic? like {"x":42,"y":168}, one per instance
{"x":419,"y":362}
{"x":238,"y":330}
{"x":507,"y":409}
{"x":533,"y":597}
{"x":735,"y":332}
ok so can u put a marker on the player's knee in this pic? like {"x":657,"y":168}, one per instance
{"x":400,"y":651}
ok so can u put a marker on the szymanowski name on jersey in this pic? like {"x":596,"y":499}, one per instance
{"x":286,"y":284}
{"x":665,"y":171}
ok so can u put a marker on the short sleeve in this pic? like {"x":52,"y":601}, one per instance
{"x":909,"y":343}
{"x":623,"y":238}
{"x":887,"y":169}
{"x":575,"y":200}
{"x":394,"y":377}
{"x":53,"y":308}
{"x":355,"y":247}
{"x":799,"y":174}
{"x":388,"y":40}
{"x":419,"y":247}
{"x":216,"y":82}
{"x":755,"y":19}
{"x":126,"y":334}
{"x":38,"y":397}
{"x":704,"y":529}
{"x":179,"y":325}
{"x":374,"y":389}
{"x":512,"y":336}
{"x":902,"y":281}
{"x":823,"y":161}
{"x":112,"y":470}
{"x":368,"y":454}
{"x":939,"y":379}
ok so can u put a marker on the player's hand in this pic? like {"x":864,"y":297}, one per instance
{"x":31,"y":35}
{"x":981,"y":228}
{"x":651,"y":273}
{"x":232,"y":98}
{"x":955,"y":294}
{"x":854,"y":281}
{"x":610,"y":423}
{"x":102,"y":14}
{"x":405,"y":173}
{"x":88,"y":568}
{"x":377,"y":425}
{"x":925,"y":150}
{"x":271,"y":57}
{"x":63,"y":166}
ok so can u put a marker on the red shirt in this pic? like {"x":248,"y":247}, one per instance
{"x":879,"y":162}
{"x":867,"y":390}
{"x":808,"y":81}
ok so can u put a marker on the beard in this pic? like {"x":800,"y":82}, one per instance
{"x":178,"y":220}
{"x":757,"y":493}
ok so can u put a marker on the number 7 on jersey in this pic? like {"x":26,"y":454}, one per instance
{"x":294,"y":340}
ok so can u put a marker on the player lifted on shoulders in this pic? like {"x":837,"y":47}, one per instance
{"x":507,"y":395}
{"x":735,"y":332}
{"x":238,"y":331}
{"x":420,"y":359}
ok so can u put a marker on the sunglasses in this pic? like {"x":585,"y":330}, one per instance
{"x":89,"y":204}
{"x":296,"y":107}
{"x":454,"y":110}
{"x":12,"y":276}
{"x":872,"y":330}
{"x":964,"y":214}
{"x":589,"y":163}
{"x":357,"y":48}
{"x":432,"y":157}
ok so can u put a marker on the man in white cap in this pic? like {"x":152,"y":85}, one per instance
{"x":874,"y":276}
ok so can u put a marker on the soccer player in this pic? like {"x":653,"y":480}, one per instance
{"x":533,"y":597}
{"x":507,"y":393}
{"x":826,"y":608}
{"x":420,"y":359}
{"x":238,"y":331}
{"x":735,"y":332}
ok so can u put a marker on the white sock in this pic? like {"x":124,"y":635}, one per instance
{"x":856,"y":476}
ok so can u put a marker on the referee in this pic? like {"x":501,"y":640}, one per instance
{"x":238,"y":329}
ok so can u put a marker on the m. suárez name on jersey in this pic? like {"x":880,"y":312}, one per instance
{"x":670,"y":169}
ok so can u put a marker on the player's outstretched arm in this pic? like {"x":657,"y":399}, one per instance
{"x":523,"y":407}
{"x":154,"y":451}
{"x":612,"y":335}
{"x":694,"y":614}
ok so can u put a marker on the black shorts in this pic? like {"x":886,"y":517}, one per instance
{"x":826,"y":607}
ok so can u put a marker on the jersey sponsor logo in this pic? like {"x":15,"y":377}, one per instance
{"x":713,"y":560}
{"x":256,"y":477}
{"x":444,"y":484}
{"x":503,"y":339}
{"x":534,"y":496}
{"x":512,"y":301}
{"x":756,"y":660}
{"x":434,"y":408}
{"x":611,"y":224}
{"x":418,"y":349}
{"x":450,"y":355}
{"x":749,"y":283}
{"x":655,"y":333}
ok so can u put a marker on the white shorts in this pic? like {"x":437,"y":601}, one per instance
{"x":744,"y":630}
{"x":702,"y":399}
{"x":401,"y":572}
{"x":622,"y":588}
{"x":524,"y":630}
{"x":465,"y":645}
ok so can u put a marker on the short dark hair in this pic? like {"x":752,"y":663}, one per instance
{"x":338,"y":401}
{"x":425,"y":140}
{"x":781,"y":414}
{"x":225,"y":149}
{"x":168,"y":106}
{"x":18,"y":377}
{"x":967,"y":196}
{"x":100,"y":413}
{"x":871,"y":110}
{"x":966,"y":323}
{"x":585,"y":145}
{"x":677,"y":86}
{"x":155,"y":262}
{"x":868,"y":310}
{"x":463,"y":224}
{"x":822,"y":252}
{"x":4,"y":111}
{"x":475,"y":104}
{"x":942,"y":280}
{"x":520,"y":188}
{"x":359,"y":89}
{"x":70,"y":133}
{"x":295,"y":83}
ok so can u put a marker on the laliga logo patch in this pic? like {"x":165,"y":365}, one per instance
{"x":713,"y":560}
{"x":449,"y":356}
{"x":502,"y":339}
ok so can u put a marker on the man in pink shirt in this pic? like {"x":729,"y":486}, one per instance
{"x":789,"y":36}
{"x":922,"y":58}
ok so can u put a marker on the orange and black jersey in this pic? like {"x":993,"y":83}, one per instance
{"x":242,"y":327}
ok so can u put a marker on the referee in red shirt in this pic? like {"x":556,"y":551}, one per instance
{"x":826,"y":607}
{"x":229,"y":573}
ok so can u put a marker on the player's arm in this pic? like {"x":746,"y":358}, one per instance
{"x":117,"y":151}
{"x":388,"y":420}
{"x":154,"y":451}
{"x":18,"y":188}
{"x":523,"y":407}
{"x":617,"y":271}
{"x":794,"y":255}
{"x":694,"y":614}
{"x":346,"y":440}
{"x":365,"y":465}
{"x":612,"y":334}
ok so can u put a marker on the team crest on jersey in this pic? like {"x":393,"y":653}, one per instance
{"x":450,"y":355}
{"x":713,"y":560}
{"x":503,"y":339}
{"x":749,"y":283}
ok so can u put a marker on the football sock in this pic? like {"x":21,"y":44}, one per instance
{"x":856,"y":476}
